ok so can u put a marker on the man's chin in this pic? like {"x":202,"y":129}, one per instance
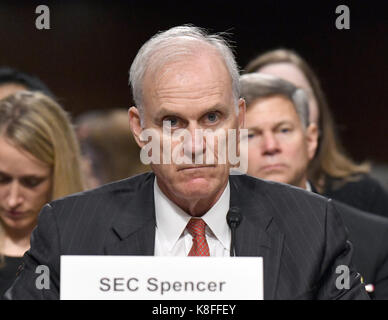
{"x":276,"y":177}
{"x":197,"y":188}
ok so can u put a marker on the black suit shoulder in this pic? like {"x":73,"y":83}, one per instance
{"x":112,"y":194}
{"x":364,"y":193}
{"x":84,"y":220}
{"x":127,"y":187}
{"x":280,"y":198}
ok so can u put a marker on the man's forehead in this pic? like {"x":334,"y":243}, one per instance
{"x":275,"y":110}
{"x":187,"y":68}
{"x":196,"y":80}
{"x":190,"y":88}
{"x":272,"y":103}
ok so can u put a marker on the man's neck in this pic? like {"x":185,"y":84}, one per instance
{"x":301,"y":183}
{"x":194,"y":207}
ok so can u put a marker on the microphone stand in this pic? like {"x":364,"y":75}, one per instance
{"x":233,"y":218}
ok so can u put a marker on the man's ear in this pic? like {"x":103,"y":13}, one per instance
{"x":135,"y":125}
{"x":241,"y":112}
{"x":241,"y":122}
{"x":312,"y":140}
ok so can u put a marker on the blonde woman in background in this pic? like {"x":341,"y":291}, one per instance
{"x":39,"y":162}
{"x":332,"y":171}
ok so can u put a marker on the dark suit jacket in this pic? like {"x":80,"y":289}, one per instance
{"x":365,"y":193}
{"x":369,"y":235}
{"x":299,"y":234}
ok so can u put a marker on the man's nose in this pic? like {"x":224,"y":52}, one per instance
{"x":270,"y":145}
{"x":14,"y":197}
{"x":196,"y":144}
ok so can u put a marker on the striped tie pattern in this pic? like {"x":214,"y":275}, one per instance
{"x":196,"y":227}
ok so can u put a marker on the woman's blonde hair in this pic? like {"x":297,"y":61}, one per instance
{"x":37,"y":124}
{"x":330,"y":158}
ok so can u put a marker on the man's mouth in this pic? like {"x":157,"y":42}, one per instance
{"x":273,"y":167}
{"x":200,"y":167}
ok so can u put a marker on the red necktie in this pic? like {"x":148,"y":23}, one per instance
{"x":196,"y":228}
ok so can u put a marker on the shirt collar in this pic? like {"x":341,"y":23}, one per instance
{"x":171,"y":220}
{"x":215,"y":218}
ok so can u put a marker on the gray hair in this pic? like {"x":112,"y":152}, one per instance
{"x":259,"y":85}
{"x":178,"y":41}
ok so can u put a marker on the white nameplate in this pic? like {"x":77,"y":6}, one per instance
{"x":161,"y":278}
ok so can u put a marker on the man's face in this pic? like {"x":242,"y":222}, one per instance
{"x":192,"y":93}
{"x":279,"y":148}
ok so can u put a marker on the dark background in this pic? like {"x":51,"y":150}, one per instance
{"x":84,"y":58}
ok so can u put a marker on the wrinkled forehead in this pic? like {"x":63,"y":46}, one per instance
{"x":195,"y":70}
{"x":174,"y":51}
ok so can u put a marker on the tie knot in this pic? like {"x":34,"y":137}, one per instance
{"x":196,"y":227}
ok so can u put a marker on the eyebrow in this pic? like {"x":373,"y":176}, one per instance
{"x":277,"y":125}
{"x":166,"y":112}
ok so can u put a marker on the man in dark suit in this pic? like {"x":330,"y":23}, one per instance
{"x":281,"y":144}
{"x":184,"y":80}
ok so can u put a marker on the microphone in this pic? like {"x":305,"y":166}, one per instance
{"x":233,"y":218}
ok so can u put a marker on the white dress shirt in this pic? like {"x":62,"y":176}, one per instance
{"x":172,"y":237}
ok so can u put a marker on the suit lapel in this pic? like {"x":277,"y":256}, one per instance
{"x":134,"y":227}
{"x":257,"y":234}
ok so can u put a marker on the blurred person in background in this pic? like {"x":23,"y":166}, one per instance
{"x":332,"y":171}
{"x":39,"y":162}
{"x":281,"y":144}
{"x":109,"y":151}
{"x":12,"y":80}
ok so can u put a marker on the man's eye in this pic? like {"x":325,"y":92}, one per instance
{"x":285,"y":130}
{"x":170,"y":121}
{"x":212,"y":117}
{"x":251,"y":135}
